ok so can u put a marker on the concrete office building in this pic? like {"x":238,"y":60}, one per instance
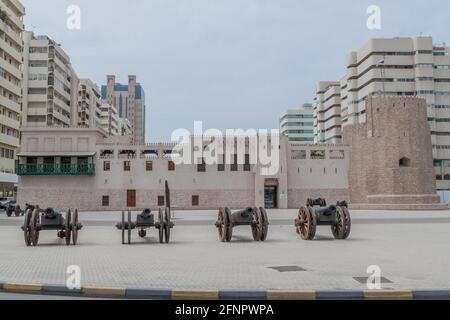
{"x":89,"y":105}
{"x":11,"y":47}
{"x":85,"y":168}
{"x":298,"y":124}
{"x":112,"y":124}
{"x":129,"y":100}
{"x":50,"y":84}
{"x":403,"y":67}
{"x":327,"y":113}
{"x":109,"y":119}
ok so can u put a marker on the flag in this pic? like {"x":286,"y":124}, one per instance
{"x":381,"y":62}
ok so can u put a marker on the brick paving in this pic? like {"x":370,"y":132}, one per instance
{"x":412,"y":252}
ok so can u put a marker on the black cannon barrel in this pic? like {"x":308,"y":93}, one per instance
{"x":146,"y":213}
{"x":243,"y":213}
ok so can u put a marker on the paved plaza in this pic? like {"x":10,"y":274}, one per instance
{"x":411,"y":248}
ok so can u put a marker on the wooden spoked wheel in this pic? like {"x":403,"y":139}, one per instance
{"x":27,"y":228}
{"x":341,"y":229}
{"x":17,"y":211}
{"x":257,"y":228}
{"x":347,"y":223}
{"x":123,"y":227}
{"x":34,"y":227}
{"x":265,"y":224}
{"x":129,"y":227}
{"x":161,"y":225}
{"x":75,"y":227}
{"x":229,"y":233}
{"x":167,"y":225}
{"x":68,"y":225}
{"x":222,"y":226}
{"x":306,"y":224}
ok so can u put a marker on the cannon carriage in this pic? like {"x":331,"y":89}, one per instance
{"x":256,"y":218}
{"x":146,"y":220}
{"x":36,"y":220}
{"x":13,"y":208}
{"x":317,"y":213}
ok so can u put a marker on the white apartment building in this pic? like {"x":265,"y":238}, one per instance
{"x":11,"y":47}
{"x":110,"y":121}
{"x":89,"y":105}
{"x":298,"y":124}
{"x":327,"y":113}
{"x":50,"y":84}
{"x":403,"y":67}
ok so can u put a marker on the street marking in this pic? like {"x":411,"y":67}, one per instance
{"x":19,"y":287}
{"x":104,"y":292}
{"x":388,"y":295}
{"x":291,"y":295}
{"x":195,"y":294}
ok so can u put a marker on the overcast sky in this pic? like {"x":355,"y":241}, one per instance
{"x":230,"y":63}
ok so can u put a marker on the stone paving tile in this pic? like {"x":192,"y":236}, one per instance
{"x":411,"y":255}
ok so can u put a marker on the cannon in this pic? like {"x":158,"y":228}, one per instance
{"x":146,"y":220}
{"x":37,"y":220}
{"x":256,"y":218}
{"x":317,"y":213}
{"x":13,"y":208}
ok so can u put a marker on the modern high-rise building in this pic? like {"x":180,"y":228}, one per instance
{"x":50,"y":84}
{"x":403,"y":67}
{"x":89,"y":105}
{"x":129,"y":100}
{"x":327,"y":113}
{"x":11,"y":47}
{"x":298,"y":124}
{"x":110,"y":121}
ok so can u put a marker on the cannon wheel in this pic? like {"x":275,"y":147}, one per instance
{"x":265,"y":224}
{"x":34,"y":232}
{"x":167,"y":225}
{"x":161,"y":225}
{"x":308,"y":230}
{"x":26,"y":227}
{"x":221,"y":221}
{"x":347,"y":224}
{"x":257,"y":230}
{"x":229,"y":233}
{"x":75,"y":227}
{"x":129,"y":226}
{"x":17,"y":211}
{"x":8,"y":212}
{"x":123,"y":227}
{"x":68,"y":225}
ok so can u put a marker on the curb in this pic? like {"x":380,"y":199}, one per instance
{"x":182,"y":294}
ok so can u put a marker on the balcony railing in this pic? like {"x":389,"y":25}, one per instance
{"x":55,"y":169}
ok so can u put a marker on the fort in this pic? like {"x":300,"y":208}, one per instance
{"x":379,"y":166}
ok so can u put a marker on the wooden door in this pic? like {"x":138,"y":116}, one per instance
{"x":131,"y":198}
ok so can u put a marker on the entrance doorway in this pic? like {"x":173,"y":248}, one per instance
{"x":271,"y":194}
{"x":131,"y":198}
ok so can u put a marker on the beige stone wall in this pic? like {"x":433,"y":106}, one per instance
{"x":396,"y":128}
